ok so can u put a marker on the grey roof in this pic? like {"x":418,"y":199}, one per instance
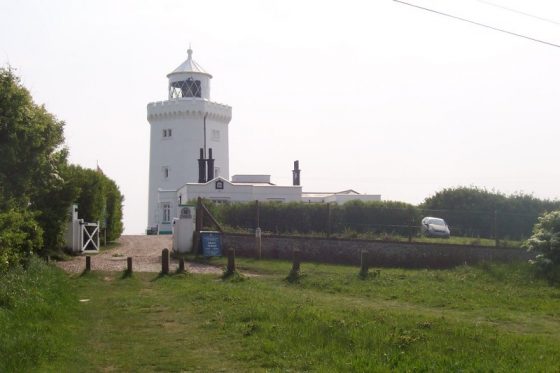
{"x":189,"y":66}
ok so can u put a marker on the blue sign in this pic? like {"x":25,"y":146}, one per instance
{"x":211,"y":243}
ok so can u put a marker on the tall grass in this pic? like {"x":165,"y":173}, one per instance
{"x":35,"y":304}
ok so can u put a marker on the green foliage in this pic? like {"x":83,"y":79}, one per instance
{"x":545,"y":241}
{"x":98,"y":199}
{"x":299,"y":217}
{"x":476,"y":212}
{"x":34,"y":174}
{"x":20,"y":236}
{"x":30,"y":145}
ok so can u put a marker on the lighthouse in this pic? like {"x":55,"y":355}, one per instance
{"x":185,"y":128}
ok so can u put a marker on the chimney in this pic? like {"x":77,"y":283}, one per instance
{"x":295,"y":173}
{"x":210,"y":161}
{"x":201,"y":167}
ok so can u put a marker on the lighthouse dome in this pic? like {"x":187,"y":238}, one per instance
{"x":189,"y":80}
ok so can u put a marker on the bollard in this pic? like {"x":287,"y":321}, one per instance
{"x":295,"y":263}
{"x":88,"y":263}
{"x":364,"y":267}
{"x":230,"y":261}
{"x":165,"y":261}
{"x":181,"y":265}
{"x":129,"y":265}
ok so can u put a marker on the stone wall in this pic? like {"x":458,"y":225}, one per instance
{"x":381,"y":253}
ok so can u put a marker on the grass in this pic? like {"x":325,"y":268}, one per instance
{"x":485,"y":318}
{"x":35,"y":307}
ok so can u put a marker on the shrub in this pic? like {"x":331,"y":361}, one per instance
{"x":545,"y":241}
{"x":20,"y":237}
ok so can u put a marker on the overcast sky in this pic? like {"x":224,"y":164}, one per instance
{"x":375,"y":96}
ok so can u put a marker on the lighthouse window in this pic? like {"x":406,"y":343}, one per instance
{"x":215,"y":135}
{"x":165,"y":172}
{"x":185,"y":88}
{"x":167,"y":133}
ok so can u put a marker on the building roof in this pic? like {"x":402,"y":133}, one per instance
{"x":325,"y":194}
{"x":189,"y":66}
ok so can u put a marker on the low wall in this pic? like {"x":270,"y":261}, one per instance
{"x":381,"y":253}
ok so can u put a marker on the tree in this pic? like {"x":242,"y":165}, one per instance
{"x":545,"y":241}
{"x":472,"y":211}
{"x":31,"y":141}
{"x":31,"y":158}
{"x":98,"y":198}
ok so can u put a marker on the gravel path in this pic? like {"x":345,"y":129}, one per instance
{"x":146,"y":257}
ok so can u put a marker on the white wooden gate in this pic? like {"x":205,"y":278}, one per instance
{"x":90,"y":237}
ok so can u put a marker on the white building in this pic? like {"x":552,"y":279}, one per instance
{"x":179,"y":127}
{"x":241,"y":188}
{"x":189,"y":154}
{"x":338,"y":197}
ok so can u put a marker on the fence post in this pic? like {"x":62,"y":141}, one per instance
{"x":165,"y":261}
{"x":328,"y":219}
{"x":258,"y":240}
{"x":496,"y":238}
{"x":364,"y":265}
{"x":231,"y":261}
{"x":129,"y":265}
{"x":296,"y":261}
{"x":181,"y":265}
{"x":88,"y":263}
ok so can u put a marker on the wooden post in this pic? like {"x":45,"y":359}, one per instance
{"x":296,"y":262}
{"x":230,"y":261}
{"x":88,"y":263}
{"x":165,"y":261}
{"x":328,"y":219}
{"x":410,"y":226}
{"x":496,"y":238}
{"x":181,"y":265}
{"x":129,"y":265}
{"x":364,"y":265}
{"x":258,"y":240}
{"x":257,"y":214}
{"x":198,"y":226}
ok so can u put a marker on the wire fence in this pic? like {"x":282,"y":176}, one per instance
{"x":400,"y":222}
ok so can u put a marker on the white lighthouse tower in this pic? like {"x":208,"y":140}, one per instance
{"x":179,"y":127}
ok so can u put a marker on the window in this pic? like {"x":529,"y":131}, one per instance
{"x":166,"y":209}
{"x":167,"y":133}
{"x":185,"y":88}
{"x":165,"y":172}
{"x":215,"y":135}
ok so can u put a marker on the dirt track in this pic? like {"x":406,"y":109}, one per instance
{"x":146,"y":257}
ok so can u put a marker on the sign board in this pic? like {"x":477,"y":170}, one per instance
{"x":211,"y":243}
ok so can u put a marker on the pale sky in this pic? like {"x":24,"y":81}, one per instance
{"x":374,"y":96}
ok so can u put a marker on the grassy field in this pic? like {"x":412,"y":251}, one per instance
{"x":487,"y":318}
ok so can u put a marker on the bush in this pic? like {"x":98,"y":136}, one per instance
{"x":298,"y":217}
{"x":545,"y":241}
{"x":20,"y":237}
